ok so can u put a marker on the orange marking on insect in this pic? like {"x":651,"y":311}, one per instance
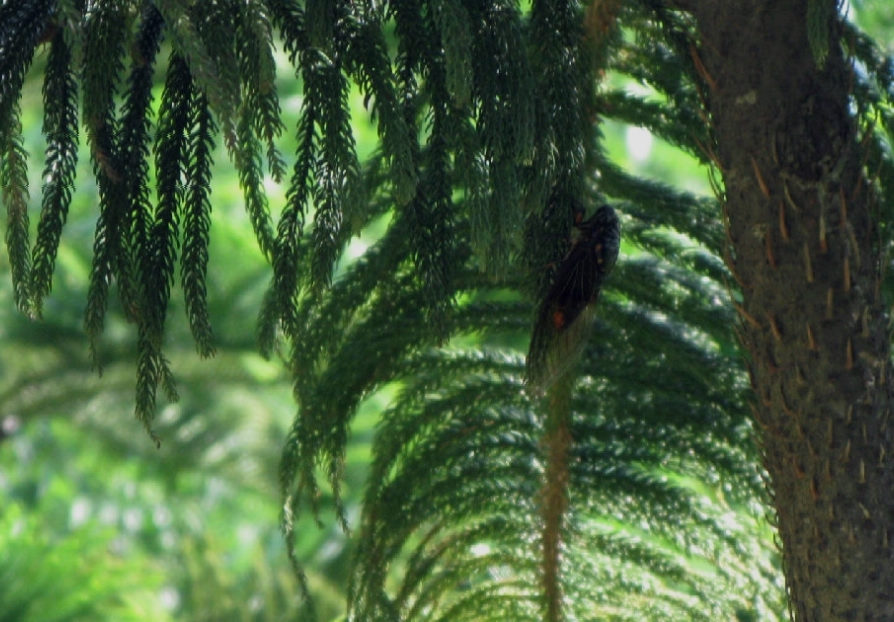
{"x":558,"y":319}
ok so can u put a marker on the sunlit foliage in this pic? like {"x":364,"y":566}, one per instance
{"x":638,"y":494}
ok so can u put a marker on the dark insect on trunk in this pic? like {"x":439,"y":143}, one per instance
{"x":566,"y":311}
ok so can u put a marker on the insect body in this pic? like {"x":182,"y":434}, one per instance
{"x":566,"y":310}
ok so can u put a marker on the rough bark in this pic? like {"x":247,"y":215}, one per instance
{"x":803,"y":247}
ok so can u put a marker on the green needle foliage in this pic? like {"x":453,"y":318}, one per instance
{"x":38,"y":583}
{"x":631,"y":491}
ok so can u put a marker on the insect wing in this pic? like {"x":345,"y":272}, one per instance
{"x":564,"y":316}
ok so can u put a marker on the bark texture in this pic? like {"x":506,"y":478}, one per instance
{"x":803,"y":247}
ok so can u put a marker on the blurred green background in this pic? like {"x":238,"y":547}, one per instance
{"x":98,"y":524}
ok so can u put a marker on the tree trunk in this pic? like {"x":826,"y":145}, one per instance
{"x":803,"y":247}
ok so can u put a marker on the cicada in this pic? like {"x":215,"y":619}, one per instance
{"x":566,"y":312}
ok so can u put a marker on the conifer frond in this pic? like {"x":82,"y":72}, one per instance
{"x":661,"y":56}
{"x":451,"y":520}
{"x":454,"y":25}
{"x":505,"y":126}
{"x":254,"y":49}
{"x":337,"y":172}
{"x":502,"y":79}
{"x":133,"y":144}
{"x":105,"y":32}
{"x":464,"y":430}
{"x":171,"y":162}
{"x":157,"y":247}
{"x":430,"y":217}
{"x":14,"y":181}
{"x":60,"y":126}
{"x":203,"y":37}
{"x":454,"y":491}
{"x":658,"y":205}
{"x":245,"y":151}
{"x":21,"y":25}
{"x":242,"y":64}
{"x":279,"y":305}
{"x":564,"y":87}
{"x":367,"y":60}
{"x":677,"y":125}
{"x":564,"y":84}
{"x":197,"y":221}
{"x":288,"y":17}
{"x":488,"y":154}
{"x":873,"y":93}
